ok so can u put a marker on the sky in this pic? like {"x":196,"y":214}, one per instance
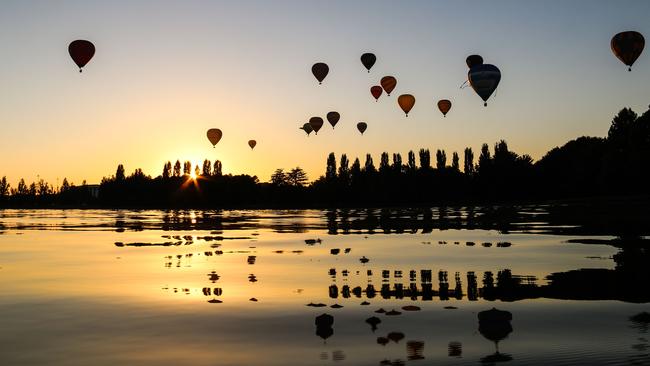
{"x":166,"y":71}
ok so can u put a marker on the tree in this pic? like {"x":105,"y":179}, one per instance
{"x":397,"y":162}
{"x":411,"y":161}
{"x":22,"y":187}
{"x":279,"y":178}
{"x":455,"y":161}
{"x":65,"y":185}
{"x":621,"y":126}
{"x":207,"y":168}
{"x":32,"y":189}
{"x":344,"y":171}
{"x":441,"y":159}
{"x":177,"y":169}
{"x":330,"y":171}
{"x":297,"y":177}
{"x":167,"y":170}
{"x":187,"y":168}
{"x":425,"y":159}
{"x":197,"y":171}
{"x":384,"y":164}
{"x":216,"y":171}
{"x":369,"y":166}
{"x":43,"y":188}
{"x":355,"y":171}
{"x":119,"y":173}
{"x":4,"y":187}
{"x":484,"y":160}
{"x":468,"y":164}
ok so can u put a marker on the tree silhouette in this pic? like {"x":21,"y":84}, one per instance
{"x":177,"y":169}
{"x":468,"y":161}
{"x":167,"y":170}
{"x":297,"y":177}
{"x":119,"y":173}
{"x":330,"y":170}
{"x":411,"y":161}
{"x":216,"y":171}
{"x":384,"y":165}
{"x":207,"y":168}
{"x":441,"y":159}
{"x":187,"y":168}
{"x":344,"y":171}
{"x":4,"y":187}
{"x":279,"y":178}
{"x":425,"y":159}
{"x":369,"y":166}
{"x":455,"y":162}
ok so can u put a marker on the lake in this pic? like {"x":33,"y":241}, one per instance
{"x":249,"y":287}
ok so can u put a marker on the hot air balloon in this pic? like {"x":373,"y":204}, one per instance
{"x":252,"y":144}
{"x":214,"y":135}
{"x":333,"y":118}
{"x":473,"y":60}
{"x":444,"y":105}
{"x":316,"y":123}
{"x":406,"y":102}
{"x":320,"y":71}
{"x":368,"y":60}
{"x":362,"y":126}
{"x":627,"y":46}
{"x":388,"y":83}
{"x":81,"y":52}
{"x":376,"y":91}
{"x":307,"y":128}
{"x":484,"y":79}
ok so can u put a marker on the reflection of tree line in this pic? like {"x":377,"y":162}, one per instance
{"x":627,"y":282}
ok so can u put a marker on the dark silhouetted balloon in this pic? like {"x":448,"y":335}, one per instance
{"x":376,"y":91}
{"x":316,"y":123}
{"x":81,"y":52}
{"x":388,"y":83}
{"x":324,"y":323}
{"x":406,"y":102}
{"x":362,"y":126}
{"x":484,"y":79}
{"x":444,"y":105}
{"x":473,"y":60}
{"x":307,"y":128}
{"x":627,"y":46}
{"x":320,"y":71}
{"x":214,"y":135}
{"x":333,"y":118}
{"x":368,"y":60}
{"x":252,"y":144}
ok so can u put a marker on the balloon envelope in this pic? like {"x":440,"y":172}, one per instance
{"x":333,"y":118}
{"x":368,"y":60}
{"x":388,"y":83}
{"x":214,"y":135}
{"x":406,"y":102}
{"x":473,"y":60}
{"x":376,"y":91}
{"x":307,"y":128}
{"x":444,"y":105}
{"x":81,"y":52}
{"x":320,"y":71}
{"x":362,"y":126}
{"x":252,"y":144}
{"x":627,"y":47}
{"x":484,"y":79}
{"x":316,"y":123}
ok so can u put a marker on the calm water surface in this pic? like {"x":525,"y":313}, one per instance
{"x":106,"y":287}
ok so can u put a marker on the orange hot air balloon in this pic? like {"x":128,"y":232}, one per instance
{"x":320,"y":71}
{"x":81,"y":52}
{"x":627,"y":47}
{"x":362,"y":126}
{"x":214,"y":135}
{"x":388,"y":83}
{"x":406,"y":102}
{"x":444,"y":105}
{"x":333,"y":118}
{"x":316,"y":123}
{"x":376,"y":92}
{"x":252,"y":144}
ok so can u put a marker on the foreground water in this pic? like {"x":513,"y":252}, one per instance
{"x":106,"y":287}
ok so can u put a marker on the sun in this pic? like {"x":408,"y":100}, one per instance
{"x":193,"y":175}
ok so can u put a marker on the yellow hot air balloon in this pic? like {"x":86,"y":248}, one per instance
{"x":406,"y":102}
{"x":252,"y":144}
{"x":214,"y":135}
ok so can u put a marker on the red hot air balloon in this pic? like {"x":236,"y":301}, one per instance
{"x":362,"y":126}
{"x":316,"y":123}
{"x":627,"y":47}
{"x":388,"y":83}
{"x":444,"y":105}
{"x":81,"y":52}
{"x":333,"y":118}
{"x":406,"y":102}
{"x":214,"y":135}
{"x":376,"y":92}
{"x":320,"y":71}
